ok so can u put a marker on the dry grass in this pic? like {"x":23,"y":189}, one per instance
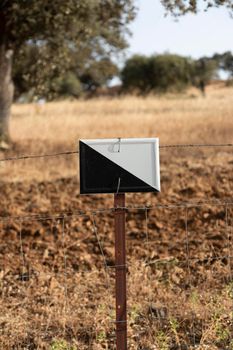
{"x":58,"y":126}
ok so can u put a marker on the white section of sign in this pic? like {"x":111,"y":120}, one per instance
{"x":140,"y":157}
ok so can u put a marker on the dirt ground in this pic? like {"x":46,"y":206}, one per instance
{"x":57,"y":247}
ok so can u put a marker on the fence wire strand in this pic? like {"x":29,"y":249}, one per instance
{"x":72,"y":152}
{"x":95,"y":231}
{"x":65,"y":263}
{"x":103,"y":210}
{"x":24,"y":273}
{"x":228,"y":229}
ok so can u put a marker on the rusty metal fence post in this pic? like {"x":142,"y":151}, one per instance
{"x":120,"y":262}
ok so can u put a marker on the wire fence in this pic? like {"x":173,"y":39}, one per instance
{"x":66,"y":153}
{"x":185,"y":276}
{"x":57,"y":276}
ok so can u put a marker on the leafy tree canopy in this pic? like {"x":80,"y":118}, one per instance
{"x":203,"y":71}
{"x":225,"y":62}
{"x":64,"y":33}
{"x":80,"y":76}
{"x":135,"y":74}
{"x":156,"y":73}
{"x":181,"y":7}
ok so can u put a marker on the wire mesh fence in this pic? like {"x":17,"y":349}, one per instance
{"x":57,"y":278}
{"x":57,"y":272}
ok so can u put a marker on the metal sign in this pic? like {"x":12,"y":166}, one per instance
{"x":119,"y":165}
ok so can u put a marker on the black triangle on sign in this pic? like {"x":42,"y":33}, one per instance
{"x":98,"y":174}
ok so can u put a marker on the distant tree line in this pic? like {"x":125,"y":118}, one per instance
{"x":169,"y":72}
{"x":140,"y":74}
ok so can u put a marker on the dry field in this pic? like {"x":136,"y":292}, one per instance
{"x":56,"y":293}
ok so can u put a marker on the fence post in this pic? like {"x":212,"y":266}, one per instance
{"x":120,"y":262}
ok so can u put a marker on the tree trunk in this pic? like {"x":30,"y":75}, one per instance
{"x":6,"y":93}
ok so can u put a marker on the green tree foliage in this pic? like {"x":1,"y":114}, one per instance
{"x":204,"y":70}
{"x":181,"y":7}
{"x":225,"y":62}
{"x":98,"y":74}
{"x":228,"y":63}
{"x":76,"y":83}
{"x":170,"y":72}
{"x":73,"y":82}
{"x":68,"y":86}
{"x":24,"y":68}
{"x":156,"y":73}
{"x":136,"y":75}
{"x":59,"y":35}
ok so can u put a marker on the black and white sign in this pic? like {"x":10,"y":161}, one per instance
{"x":119,"y":165}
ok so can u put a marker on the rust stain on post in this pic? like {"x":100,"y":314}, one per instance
{"x":120,"y":261}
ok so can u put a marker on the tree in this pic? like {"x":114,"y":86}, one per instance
{"x":24,"y":68}
{"x":170,"y":72}
{"x":225,"y":62}
{"x":228,"y":63}
{"x":204,"y":69}
{"x":68,"y":86}
{"x":158,"y":73}
{"x":84,"y":76}
{"x":98,"y":74}
{"x":89,"y":28}
{"x":135,"y":75}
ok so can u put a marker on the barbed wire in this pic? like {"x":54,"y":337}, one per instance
{"x":66,"y":153}
{"x":197,"y":145}
{"x":33,"y":156}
